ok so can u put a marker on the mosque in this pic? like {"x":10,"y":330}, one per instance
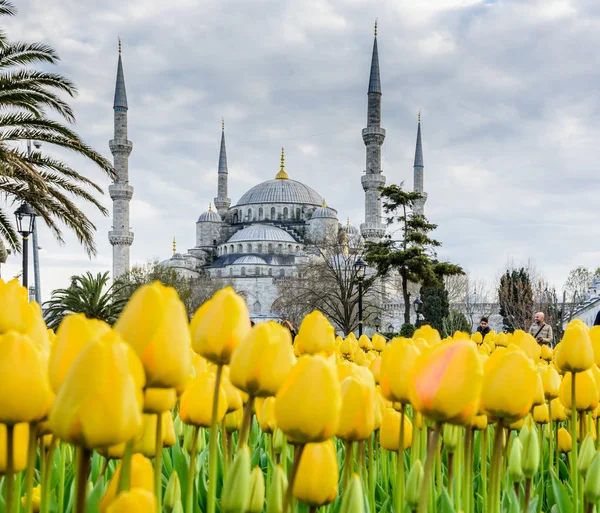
{"x":262,"y":237}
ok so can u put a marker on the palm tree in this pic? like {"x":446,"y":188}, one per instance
{"x":48,"y":184}
{"x":88,"y":295}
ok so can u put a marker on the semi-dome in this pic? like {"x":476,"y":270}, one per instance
{"x":351,"y":229}
{"x":259,"y":232}
{"x":249,"y":260}
{"x":209,"y":216}
{"x":324,"y":212}
{"x":281,"y":191}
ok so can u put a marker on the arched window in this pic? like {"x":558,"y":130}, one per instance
{"x":231,"y":250}
{"x":249,"y":248}
{"x":270,"y":248}
{"x":297,"y":249}
{"x":281,"y":273}
{"x":290,"y":248}
{"x":285,"y":212}
{"x":240,"y":248}
{"x":231,"y":271}
{"x":257,"y":271}
{"x":214,"y":242}
{"x":235,"y":217}
{"x":256,"y":307}
{"x":298,"y":214}
{"x":224,"y":250}
{"x":279,"y":248}
{"x":249,"y":214}
{"x":218,"y":274}
{"x":243,"y":271}
{"x":273,"y":215}
{"x":260,"y":248}
{"x":270,"y":272}
{"x":260,"y":214}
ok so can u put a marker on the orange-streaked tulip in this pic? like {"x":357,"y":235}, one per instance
{"x":263,"y":359}
{"x":389,"y":431}
{"x":219,"y":326}
{"x":316,"y":480}
{"x":24,"y":386}
{"x":586,"y":391}
{"x":397,"y":362}
{"x":509,"y":384}
{"x":308,"y":404}
{"x":20,"y":447}
{"x":575,"y":353}
{"x":446,"y":382}
{"x":135,"y":500}
{"x":155,"y":324}
{"x":141,"y":476}
{"x":316,"y":335}
{"x":100,"y":401}
{"x":195,"y":405}
{"x":357,"y":416}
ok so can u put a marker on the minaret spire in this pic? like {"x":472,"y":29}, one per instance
{"x":222,"y":202}
{"x":120,"y":237}
{"x":418,"y":169}
{"x":373,"y":136}
{"x":282,"y":175}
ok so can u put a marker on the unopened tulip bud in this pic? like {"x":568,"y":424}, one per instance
{"x":178,"y":508}
{"x":353,"y":498}
{"x":236,"y":489}
{"x":277,"y":490}
{"x":564,"y":440}
{"x":278,"y":441}
{"x":451,"y":436}
{"x":173,"y":493}
{"x":515,"y":469}
{"x":591,"y":488}
{"x":530,"y":460}
{"x":413,"y":485}
{"x":257,"y":491}
{"x":188,"y":440}
{"x":586,"y":454}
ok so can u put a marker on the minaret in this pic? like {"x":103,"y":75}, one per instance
{"x":120,"y":191}
{"x":418,"y":169}
{"x":373,"y":135}
{"x":222,"y":202}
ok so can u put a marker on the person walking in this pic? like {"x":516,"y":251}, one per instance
{"x":541,"y":331}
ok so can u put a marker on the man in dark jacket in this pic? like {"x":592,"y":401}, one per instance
{"x":483,"y":327}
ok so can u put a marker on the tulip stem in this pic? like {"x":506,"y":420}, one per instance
{"x":432,"y":447}
{"x":400,"y":463}
{"x":212,"y":450}
{"x":557,"y":448}
{"x":31,"y":455}
{"x":299,"y":449}
{"x":574,"y":472}
{"x":61,"y":476}
{"x":527,"y":495}
{"x":189,"y":496}
{"x":10,"y":467}
{"x":496,"y":464}
{"x":370,"y":447}
{"x":483,"y":465}
{"x":158,"y":462}
{"x":348,"y":452}
{"x":83,"y":469}
{"x":246,"y":422}
{"x":551,"y":436}
{"x":125,"y":471}
{"x":46,"y":481}
{"x":361,"y":460}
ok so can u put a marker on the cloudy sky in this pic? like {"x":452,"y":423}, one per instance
{"x":508,"y":92}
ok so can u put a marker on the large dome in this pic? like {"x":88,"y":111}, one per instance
{"x":260,"y":232}
{"x":281,"y":191}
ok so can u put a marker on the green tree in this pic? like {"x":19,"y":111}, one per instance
{"x":88,"y":294}
{"x":49,"y":185}
{"x":455,"y":321}
{"x":412,"y":255}
{"x":436,"y":305}
{"x":515,"y":296}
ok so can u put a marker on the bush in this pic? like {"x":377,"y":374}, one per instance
{"x":407,"y":330}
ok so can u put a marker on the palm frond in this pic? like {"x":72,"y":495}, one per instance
{"x":20,"y":54}
{"x":7,"y":231}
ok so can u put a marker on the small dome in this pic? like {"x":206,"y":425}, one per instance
{"x":350,"y":229}
{"x":249,"y":260}
{"x":259,"y":232}
{"x":177,"y":256}
{"x":209,"y":216}
{"x":324,"y":213}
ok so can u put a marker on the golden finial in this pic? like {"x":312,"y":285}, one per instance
{"x":375,"y":27}
{"x":282,"y":175}
{"x":210,"y":207}
{"x":345,"y":243}
{"x":324,"y":205}
{"x":222,"y":124}
{"x":347,"y":221}
{"x":174,"y":246}
{"x":419,"y":117}
{"x":119,"y":46}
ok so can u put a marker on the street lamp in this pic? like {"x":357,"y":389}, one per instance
{"x":360,"y":266}
{"x":377,"y":323}
{"x":418,"y":306}
{"x":25,"y":216}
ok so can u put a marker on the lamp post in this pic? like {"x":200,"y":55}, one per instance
{"x":25,"y":217}
{"x":360,"y":266}
{"x":418,"y":306}
{"x":377,"y":323}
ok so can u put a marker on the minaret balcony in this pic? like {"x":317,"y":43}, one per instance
{"x":120,"y":191}
{"x":120,"y":146}
{"x":373,"y":134}
{"x":372,"y":182}
{"x":120,"y":238}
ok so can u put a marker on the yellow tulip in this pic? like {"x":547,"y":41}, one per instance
{"x":233,"y":420}
{"x":477,"y":337}
{"x":100,"y":401}
{"x":550,"y":381}
{"x":586,"y":391}
{"x":539,"y":396}
{"x":233,"y":394}
{"x":263,"y":359}
{"x":308,"y":404}
{"x":359,"y":357}
{"x":220,"y":325}
{"x":24,"y":389}
{"x":575,"y":352}
{"x":446,"y":383}
{"x":158,"y":400}
{"x":316,"y":482}
{"x":541,"y":414}
{"x":565,"y":442}
{"x":316,"y":335}
{"x":375,"y":368}
{"x":357,"y":416}
{"x":380,"y":408}
{"x":74,"y":333}
{"x":517,"y":424}
{"x":365,"y":343}
{"x":15,"y":313}
{"x":155,"y":324}
{"x":135,"y":500}
{"x":36,"y":498}
{"x":389,"y":432}
{"x":558,"y":411}
{"x":267,"y":421}
{"x":479,"y":422}
{"x":397,"y":362}
{"x":20,"y":447}
{"x":199,"y":363}
{"x":509,"y":385}
{"x":547,"y":353}
{"x":528,"y":344}
{"x":378,"y":342}
{"x":429,"y":334}
{"x":346,"y":349}
{"x":501,"y":339}
{"x":196,"y":403}
{"x":595,"y":340}
{"x":141,"y":477}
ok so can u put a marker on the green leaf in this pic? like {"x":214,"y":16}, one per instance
{"x":444,"y":503}
{"x":561,"y":496}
